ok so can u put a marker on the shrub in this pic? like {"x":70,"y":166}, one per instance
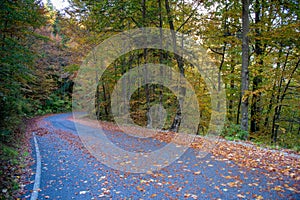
{"x":233,"y":132}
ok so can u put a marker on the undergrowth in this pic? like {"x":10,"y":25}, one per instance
{"x":285,"y":140}
{"x":13,"y":153}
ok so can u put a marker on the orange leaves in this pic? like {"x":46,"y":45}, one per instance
{"x":278,"y":188}
{"x":259,"y":197}
{"x":193,"y":196}
{"x":230,"y":177}
{"x":291,"y":188}
{"x":153,"y":195}
{"x":217,"y":187}
{"x":253,"y":184}
{"x":141,"y":189}
{"x":149,"y":172}
{"x":241,"y":196}
{"x":234,"y":184}
{"x":293,"y":175}
{"x":251,"y":157}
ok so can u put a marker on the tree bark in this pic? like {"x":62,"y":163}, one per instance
{"x":161,"y":57}
{"x":245,"y":63}
{"x":145,"y":52}
{"x":280,"y":99}
{"x":256,"y":98}
{"x":106,"y":109}
{"x":231,"y":102}
{"x":178,"y":117}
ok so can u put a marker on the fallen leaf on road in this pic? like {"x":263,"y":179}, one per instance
{"x":259,"y":197}
{"x":141,"y":189}
{"x":241,"y":196}
{"x":278,"y":188}
{"x":153,"y":195}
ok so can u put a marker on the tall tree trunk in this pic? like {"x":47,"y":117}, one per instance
{"x":98,"y":104}
{"x":239,"y":110}
{"x":276,"y":110}
{"x":106,"y":109}
{"x":280,"y":99}
{"x":124,"y":93}
{"x":161,"y":58}
{"x":230,"y":103}
{"x":145,"y":52}
{"x":177,"y":120}
{"x":266,"y":123}
{"x":256,"y":98}
{"x":245,"y":63}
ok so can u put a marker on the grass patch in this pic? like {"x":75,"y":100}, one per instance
{"x":13,"y":154}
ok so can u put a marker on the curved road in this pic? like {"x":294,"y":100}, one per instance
{"x":68,"y":171}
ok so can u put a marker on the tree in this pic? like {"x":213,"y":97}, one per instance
{"x":257,"y":80}
{"x":245,"y":63}
{"x":17,"y":36}
{"x":256,"y":53}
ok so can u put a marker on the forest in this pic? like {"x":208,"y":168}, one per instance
{"x":254,"y":46}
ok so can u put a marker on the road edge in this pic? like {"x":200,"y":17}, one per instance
{"x":37,"y":180}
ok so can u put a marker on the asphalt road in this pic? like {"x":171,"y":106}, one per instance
{"x":68,"y":171}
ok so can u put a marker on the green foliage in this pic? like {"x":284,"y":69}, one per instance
{"x":16,"y":58}
{"x":233,"y":132}
{"x":273,"y":66}
{"x":55,"y":104}
{"x":9,"y":158}
{"x":8,"y":152}
{"x":71,"y":68}
{"x":27,"y":83}
{"x":138,"y":104}
{"x":289,"y":141}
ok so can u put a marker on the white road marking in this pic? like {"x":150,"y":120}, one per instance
{"x":37,"y":180}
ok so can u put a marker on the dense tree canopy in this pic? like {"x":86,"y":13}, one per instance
{"x":41,"y":52}
{"x":273,"y":90}
{"x":17,"y":57}
{"x":253,"y":44}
